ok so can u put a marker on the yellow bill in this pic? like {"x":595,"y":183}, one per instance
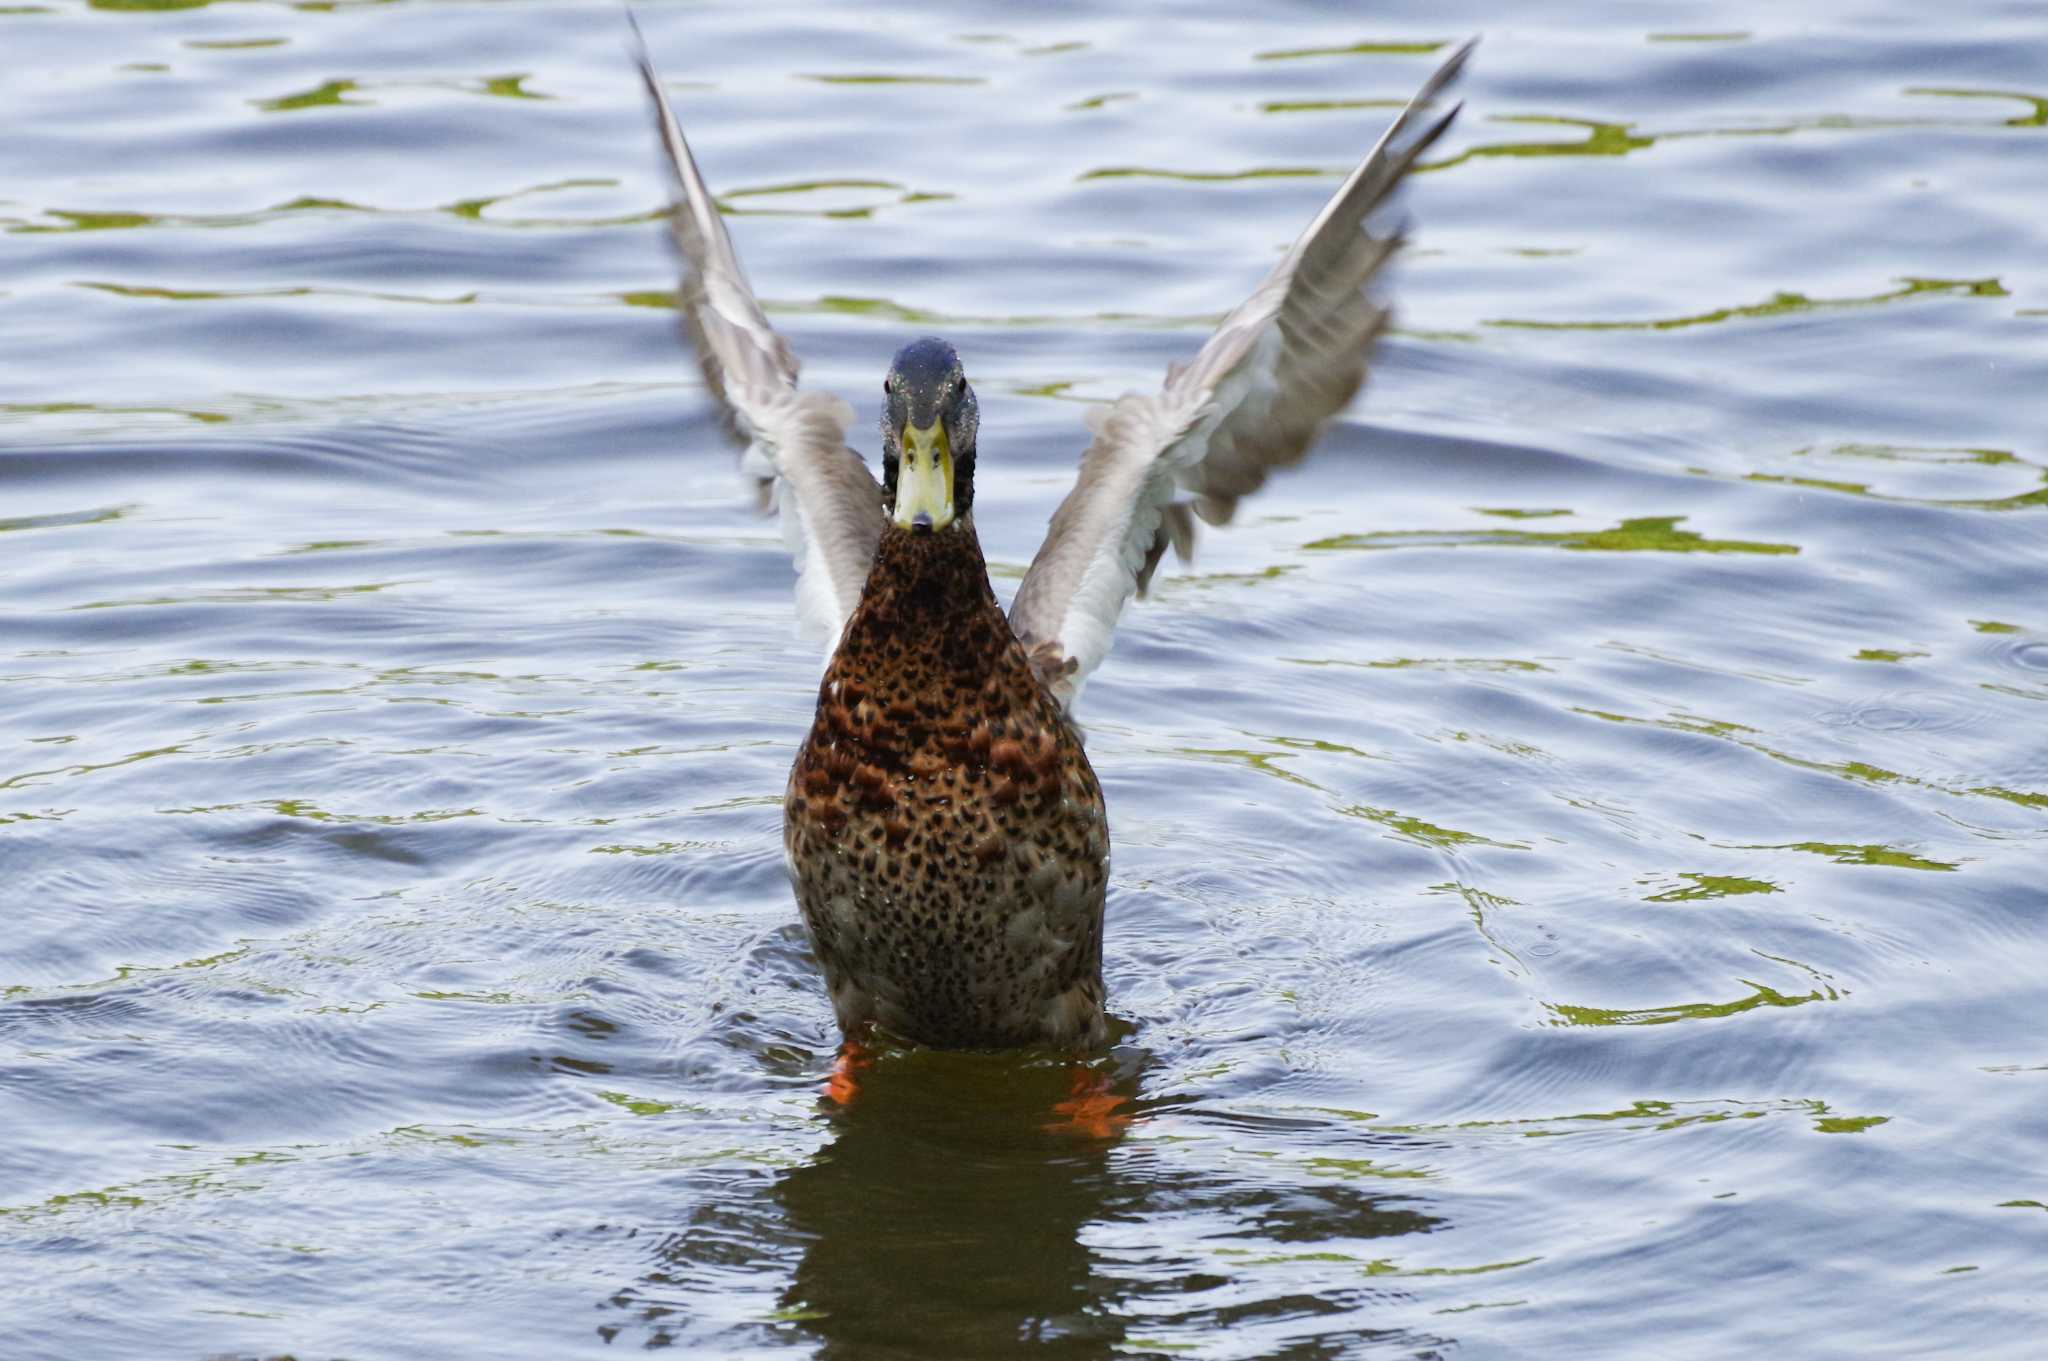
{"x":924,"y":478}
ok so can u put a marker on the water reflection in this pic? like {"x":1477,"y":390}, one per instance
{"x":1643,"y":534}
{"x":952,"y":1203}
{"x":945,"y":1216}
{"x":974,"y":1205}
{"x":1779,"y":304}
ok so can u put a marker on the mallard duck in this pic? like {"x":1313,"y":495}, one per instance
{"x":945,"y":834}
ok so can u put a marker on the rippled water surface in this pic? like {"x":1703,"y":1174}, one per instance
{"x":1580,"y":841}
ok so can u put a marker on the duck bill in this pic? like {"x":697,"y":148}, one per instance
{"x":924,"y":479}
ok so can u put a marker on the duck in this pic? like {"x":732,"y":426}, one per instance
{"x":945,"y":835}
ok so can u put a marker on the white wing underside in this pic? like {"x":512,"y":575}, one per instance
{"x":794,"y":443}
{"x":1251,"y":401}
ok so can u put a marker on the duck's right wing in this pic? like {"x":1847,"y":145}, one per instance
{"x":794,"y":442}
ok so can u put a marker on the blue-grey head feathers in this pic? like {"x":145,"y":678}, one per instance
{"x":926,"y":383}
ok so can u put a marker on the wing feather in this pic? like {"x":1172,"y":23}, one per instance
{"x":794,"y":442}
{"x":1250,"y":401}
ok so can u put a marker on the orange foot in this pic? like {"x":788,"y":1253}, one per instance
{"x":1090,"y":1109}
{"x":842,"y":1086}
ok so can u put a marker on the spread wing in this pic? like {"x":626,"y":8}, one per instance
{"x":794,"y":442}
{"x":1250,"y":401}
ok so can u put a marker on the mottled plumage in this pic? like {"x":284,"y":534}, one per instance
{"x":946,"y":836}
{"x":945,"y":833}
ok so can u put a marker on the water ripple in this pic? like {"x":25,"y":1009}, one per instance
{"x":1579,"y":832}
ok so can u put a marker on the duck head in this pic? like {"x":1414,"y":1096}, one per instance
{"x":929,"y":420}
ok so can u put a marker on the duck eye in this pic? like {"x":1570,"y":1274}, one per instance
{"x":960,"y":386}
{"x":888,"y":385}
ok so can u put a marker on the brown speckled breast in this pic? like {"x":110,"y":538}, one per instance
{"x":945,"y":833}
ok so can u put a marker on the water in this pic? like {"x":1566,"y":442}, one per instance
{"x":1579,"y":842}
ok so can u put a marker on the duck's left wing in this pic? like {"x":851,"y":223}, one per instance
{"x":794,"y":442}
{"x":1250,"y":401}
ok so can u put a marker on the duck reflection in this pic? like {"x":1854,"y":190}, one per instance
{"x":947,"y":1216}
{"x":982,"y":1205}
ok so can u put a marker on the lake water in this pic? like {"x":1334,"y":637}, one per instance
{"x":1580,"y":881}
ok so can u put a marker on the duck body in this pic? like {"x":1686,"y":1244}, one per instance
{"x":945,"y":833}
